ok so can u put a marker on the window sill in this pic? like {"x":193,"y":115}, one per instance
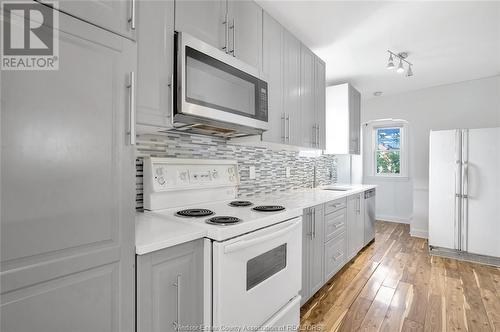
{"x":388,"y":178}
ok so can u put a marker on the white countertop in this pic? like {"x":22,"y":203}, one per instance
{"x":154,"y":232}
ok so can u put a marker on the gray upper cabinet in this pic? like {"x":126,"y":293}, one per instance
{"x":354,"y":121}
{"x":343,"y":132}
{"x":170,"y":288}
{"x":245,"y":31}
{"x":320,"y":98}
{"x":203,"y":19}
{"x":273,"y":72}
{"x":291,"y":89}
{"x":117,"y":16}
{"x":307,"y":98}
{"x":155,"y":51}
{"x":68,"y":183}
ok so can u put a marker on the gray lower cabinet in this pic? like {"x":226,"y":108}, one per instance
{"x":155,"y":51}
{"x":117,"y":16}
{"x":355,"y":224}
{"x":312,"y":251}
{"x":335,"y":254}
{"x":170,"y":288}
{"x":68,"y":184}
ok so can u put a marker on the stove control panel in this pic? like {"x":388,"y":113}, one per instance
{"x":172,"y":182}
{"x":172,"y":174}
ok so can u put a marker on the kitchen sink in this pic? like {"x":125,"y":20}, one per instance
{"x":336,"y":189}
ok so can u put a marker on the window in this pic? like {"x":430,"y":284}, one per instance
{"x":388,"y":151}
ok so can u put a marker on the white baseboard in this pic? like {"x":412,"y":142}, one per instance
{"x":399,"y":220}
{"x":424,"y":234}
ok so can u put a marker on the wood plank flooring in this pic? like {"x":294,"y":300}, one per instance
{"x":395,"y":285}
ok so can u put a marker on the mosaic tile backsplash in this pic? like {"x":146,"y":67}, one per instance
{"x":269,"y":164}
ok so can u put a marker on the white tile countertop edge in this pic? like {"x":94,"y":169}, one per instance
{"x":155,"y":233}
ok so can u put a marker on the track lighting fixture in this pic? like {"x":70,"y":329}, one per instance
{"x":390,"y":64}
{"x":402,"y":58}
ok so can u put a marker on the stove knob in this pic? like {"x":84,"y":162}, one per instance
{"x":215,"y":174}
{"x":161,"y":180}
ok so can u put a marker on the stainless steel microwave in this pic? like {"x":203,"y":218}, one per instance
{"x":216,"y":93}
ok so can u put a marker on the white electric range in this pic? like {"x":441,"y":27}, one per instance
{"x":255,"y":246}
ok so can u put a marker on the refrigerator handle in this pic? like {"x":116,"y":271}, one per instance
{"x":458,"y":191}
{"x":465,"y":190}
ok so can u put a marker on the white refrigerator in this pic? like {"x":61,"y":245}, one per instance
{"x":464,"y":191}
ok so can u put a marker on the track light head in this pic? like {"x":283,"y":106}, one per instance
{"x":409,"y":73}
{"x":400,"y":69}
{"x":390,"y":63}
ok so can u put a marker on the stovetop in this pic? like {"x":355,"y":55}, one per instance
{"x":229,"y":220}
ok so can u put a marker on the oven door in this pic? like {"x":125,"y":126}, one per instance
{"x":257,"y":274}
{"x":216,"y":86}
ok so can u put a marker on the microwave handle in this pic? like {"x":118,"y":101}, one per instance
{"x":248,"y":243}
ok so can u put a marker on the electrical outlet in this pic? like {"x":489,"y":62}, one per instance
{"x":252,"y":172}
{"x":287,"y":171}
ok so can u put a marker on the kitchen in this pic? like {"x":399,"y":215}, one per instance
{"x":189,"y":165}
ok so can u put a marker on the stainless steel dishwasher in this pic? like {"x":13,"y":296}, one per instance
{"x":369,"y":215}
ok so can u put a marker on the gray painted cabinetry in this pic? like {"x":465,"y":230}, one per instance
{"x":234,"y":26}
{"x":155,"y":52}
{"x":273,"y":72}
{"x":355,"y":224}
{"x":332,"y":234}
{"x":68,"y":188}
{"x":312,"y":251}
{"x":117,"y":16}
{"x":170,"y":288}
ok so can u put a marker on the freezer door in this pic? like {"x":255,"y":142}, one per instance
{"x":482,"y":187}
{"x":444,"y":188}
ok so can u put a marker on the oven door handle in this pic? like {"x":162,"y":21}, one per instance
{"x":248,"y":243}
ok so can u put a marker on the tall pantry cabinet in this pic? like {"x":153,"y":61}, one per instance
{"x":68,"y":187}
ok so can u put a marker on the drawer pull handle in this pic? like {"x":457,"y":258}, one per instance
{"x":336,"y":257}
{"x":337,"y":225}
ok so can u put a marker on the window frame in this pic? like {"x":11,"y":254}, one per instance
{"x":403,"y":148}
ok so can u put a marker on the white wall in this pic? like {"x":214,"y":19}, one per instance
{"x":471,"y":104}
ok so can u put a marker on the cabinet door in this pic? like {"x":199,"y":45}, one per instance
{"x":307,"y":98}
{"x":112,"y":15}
{"x":170,"y":288}
{"x":155,"y":40}
{"x":352,"y":226}
{"x":203,"y":19}
{"x":291,"y":91}
{"x":273,"y":73}
{"x":361,"y":221}
{"x":245,"y":29}
{"x":317,"y":250}
{"x":354,"y":121}
{"x":320,"y":99}
{"x":68,"y":188}
{"x":305,"y":292}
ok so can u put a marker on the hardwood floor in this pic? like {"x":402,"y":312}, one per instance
{"x":395,"y":285}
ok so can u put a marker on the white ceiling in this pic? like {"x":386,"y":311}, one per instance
{"x":448,"y":41}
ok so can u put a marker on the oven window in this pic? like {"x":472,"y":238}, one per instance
{"x":266,"y":265}
{"x":214,"y":84}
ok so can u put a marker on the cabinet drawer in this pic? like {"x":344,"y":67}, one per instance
{"x":335,"y":254}
{"x":335,"y":205}
{"x":335,"y":223}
